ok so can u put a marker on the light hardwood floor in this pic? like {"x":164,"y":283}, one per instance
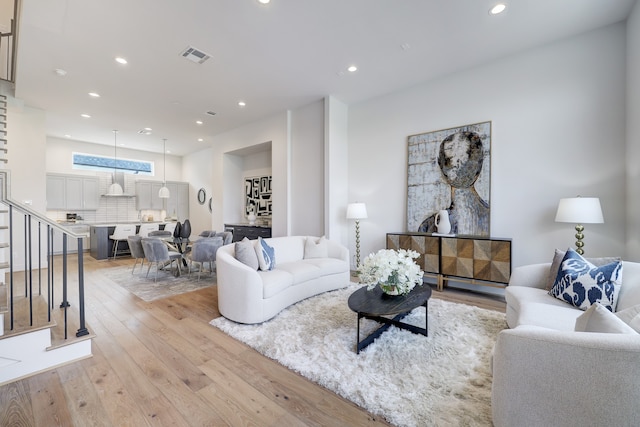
{"x":161,"y":364}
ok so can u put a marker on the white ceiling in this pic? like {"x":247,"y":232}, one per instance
{"x":275,"y":57}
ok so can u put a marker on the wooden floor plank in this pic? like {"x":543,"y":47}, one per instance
{"x":16,"y":409}
{"x":49,"y":401}
{"x":160,"y":363}
{"x":83,"y":401}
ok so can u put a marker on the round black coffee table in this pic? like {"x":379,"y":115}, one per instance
{"x":375,"y":304}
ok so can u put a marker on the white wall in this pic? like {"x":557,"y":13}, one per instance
{"x":307,"y":170}
{"x":198,"y":172}
{"x":26,"y":143}
{"x":228,"y":170}
{"x":296,"y":142}
{"x":633,"y":134}
{"x":557,"y":117}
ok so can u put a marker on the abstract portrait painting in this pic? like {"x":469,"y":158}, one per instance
{"x":450,"y":170}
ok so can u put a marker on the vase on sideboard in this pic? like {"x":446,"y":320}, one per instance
{"x":442,"y":222}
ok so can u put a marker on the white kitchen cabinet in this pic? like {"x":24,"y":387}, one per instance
{"x":178,"y":202}
{"x":72,"y":192}
{"x":147,"y":195}
{"x":82,"y":193}
{"x":56,"y":192}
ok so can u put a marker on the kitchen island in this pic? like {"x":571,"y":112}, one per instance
{"x":100,"y":245}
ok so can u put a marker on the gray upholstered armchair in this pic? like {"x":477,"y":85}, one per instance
{"x":156,"y":252}
{"x":204,"y":251}
{"x":137,"y":252}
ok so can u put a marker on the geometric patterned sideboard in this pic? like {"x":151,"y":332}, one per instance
{"x":478,"y":260}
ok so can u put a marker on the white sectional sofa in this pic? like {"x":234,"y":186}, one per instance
{"x":250,"y":295}
{"x":546,"y":374}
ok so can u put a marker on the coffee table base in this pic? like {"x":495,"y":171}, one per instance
{"x":386,"y":324}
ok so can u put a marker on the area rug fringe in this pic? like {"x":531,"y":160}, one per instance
{"x":411,"y":380}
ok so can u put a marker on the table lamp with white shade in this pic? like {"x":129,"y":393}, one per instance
{"x":357,"y":211}
{"x":580,"y":210}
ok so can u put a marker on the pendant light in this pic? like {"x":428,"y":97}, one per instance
{"x":115,"y":189}
{"x":164,"y":191}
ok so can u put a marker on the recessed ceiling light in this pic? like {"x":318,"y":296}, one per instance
{"x":121,"y":60}
{"x":198,"y":122}
{"x":264,"y":1}
{"x":86,"y":116}
{"x":200,"y":139}
{"x":499,"y":8}
{"x":94,"y":94}
{"x":148,"y":129}
{"x":352,"y":69}
{"x":60,"y":72}
{"x":67,"y":136}
{"x":242,"y":104}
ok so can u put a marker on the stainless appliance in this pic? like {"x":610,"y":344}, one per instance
{"x":72,"y":217}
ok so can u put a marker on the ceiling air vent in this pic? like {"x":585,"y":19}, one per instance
{"x":211,"y":113}
{"x":195,"y":55}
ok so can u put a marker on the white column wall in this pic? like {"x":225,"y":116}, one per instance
{"x":558,"y":117}
{"x":307,"y":170}
{"x":633,"y":134}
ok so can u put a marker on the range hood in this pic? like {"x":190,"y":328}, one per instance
{"x":118,"y":177}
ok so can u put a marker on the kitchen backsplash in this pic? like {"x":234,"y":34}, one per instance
{"x":112,"y":209}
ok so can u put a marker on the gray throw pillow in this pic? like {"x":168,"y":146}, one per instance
{"x":246,"y":254}
{"x":557,"y":259}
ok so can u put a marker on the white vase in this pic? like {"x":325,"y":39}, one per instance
{"x":442,"y":222}
{"x":252,"y":218}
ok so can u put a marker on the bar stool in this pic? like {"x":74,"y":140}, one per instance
{"x":121,"y":233}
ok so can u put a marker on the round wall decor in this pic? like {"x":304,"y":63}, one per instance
{"x":210,"y":201}
{"x":202,"y":196}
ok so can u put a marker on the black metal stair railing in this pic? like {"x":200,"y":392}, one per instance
{"x":34,"y":250}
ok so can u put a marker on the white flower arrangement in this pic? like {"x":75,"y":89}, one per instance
{"x":394,"y":271}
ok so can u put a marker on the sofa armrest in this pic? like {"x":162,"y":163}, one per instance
{"x":240,"y":288}
{"x":339,"y":251}
{"x":543,"y":377}
{"x":532,"y":275}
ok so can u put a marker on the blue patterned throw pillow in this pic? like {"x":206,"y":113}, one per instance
{"x":266,"y":255}
{"x":582,"y":284}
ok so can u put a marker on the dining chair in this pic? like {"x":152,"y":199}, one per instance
{"x":137,"y":252}
{"x":120,"y":234}
{"x":204,"y":251}
{"x":227,"y":236}
{"x":145,"y":229}
{"x":156,"y":252}
{"x":170,"y":226}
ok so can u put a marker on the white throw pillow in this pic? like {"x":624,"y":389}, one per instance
{"x":635,"y":323}
{"x":316,"y":248}
{"x":598,"y":318}
{"x":628,"y":314}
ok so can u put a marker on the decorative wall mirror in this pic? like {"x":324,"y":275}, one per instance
{"x":202,"y":196}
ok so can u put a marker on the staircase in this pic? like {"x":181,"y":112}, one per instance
{"x":42,"y":304}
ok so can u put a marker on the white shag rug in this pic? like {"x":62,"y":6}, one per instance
{"x":411,"y":380}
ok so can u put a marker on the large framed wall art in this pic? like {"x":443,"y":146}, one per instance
{"x":450,"y":170}
{"x":257,"y":191}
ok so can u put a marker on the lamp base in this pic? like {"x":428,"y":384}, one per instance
{"x":579,"y":236}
